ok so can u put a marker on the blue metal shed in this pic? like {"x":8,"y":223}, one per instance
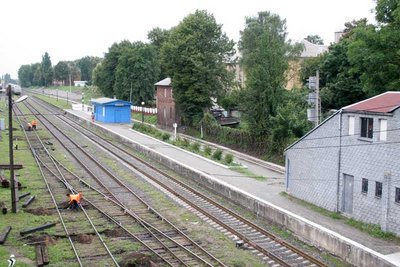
{"x":111,"y":110}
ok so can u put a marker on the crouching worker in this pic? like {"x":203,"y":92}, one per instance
{"x":29,"y":126}
{"x":34,"y":123}
{"x":74,"y":200}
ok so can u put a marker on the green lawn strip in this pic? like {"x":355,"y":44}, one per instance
{"x":61,"y":103}
{"x":373,"y":230}
{"x":30,"y":178}
{"x":195,"y":147}
{"x":89,"y":92}
{"x":151,"y":119}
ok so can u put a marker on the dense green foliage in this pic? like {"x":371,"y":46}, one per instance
{"x":194,"y":57}
{"x":61,"y":71}
{"x":157,"y":38}
{"x":365,"y":62}
{"x":136,"y":72}
{"x":86,"y":66}
{"x":128,"y":67}
{"x":315,"y":39}
{"x":265,"y":55}
{"x":47,"y":70}
{"x":43,"y":74}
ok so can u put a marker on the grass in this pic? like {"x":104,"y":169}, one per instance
{"x":88,"y":91}
{"x":194,"y":147}
{"x":373,"y":230}
{"x":29,"y":177}
{"x":148,"y":118}
{"x":63,"y":104}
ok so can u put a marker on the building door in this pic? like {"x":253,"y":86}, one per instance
{"x":348,"y":193}
{"x":118,"y":115}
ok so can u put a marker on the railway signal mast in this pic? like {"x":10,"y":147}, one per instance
{"x":314,"y":112}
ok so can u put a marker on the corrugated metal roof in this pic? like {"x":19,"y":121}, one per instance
{"x":383,"y":103}
{"x":107,"y":100}
{"x":165,"y":82}
{"x":103,"y":100}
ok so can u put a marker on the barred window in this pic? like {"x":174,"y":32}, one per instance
{"x":397,"y":195}
{"x":378,"y":189}
{"x":364,"y":186}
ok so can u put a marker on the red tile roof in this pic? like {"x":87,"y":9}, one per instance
{"x":386,"y":102}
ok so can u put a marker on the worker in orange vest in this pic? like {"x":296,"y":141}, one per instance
{"x":74,"y":200}
{"x":34,"y":123}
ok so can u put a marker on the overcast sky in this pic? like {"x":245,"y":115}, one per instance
{"x":72,"y":29}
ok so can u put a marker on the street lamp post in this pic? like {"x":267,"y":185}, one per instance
{"x":11,"y":147}
{"x":83,"y":101}
{"x":142,"y":111}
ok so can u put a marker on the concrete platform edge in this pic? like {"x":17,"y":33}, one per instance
{"x":353,"y":252}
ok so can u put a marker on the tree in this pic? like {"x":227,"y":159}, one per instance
{"x":315,"y":39}
{"x":104,"y":74}
{"x":37,"y":74}
{"x":265,"y":55}
{"x":138,"y":70}
{"x":194,"y":56}
{"x":290,"y":121}
{"x":24,"y":75}
{"x":374,"y":51}
{"x":47,"y":70}
{"x":157,"y":38}
{"x":86,"y":66}
{"x":61,"y":71}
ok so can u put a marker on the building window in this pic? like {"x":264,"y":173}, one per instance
{"x":382,"y":130}
{"x":165,"y":114}
{"x":170,"y":112}
{"x":378,"y":189}
{"x":397,"y":195}
{"x":364,"y":186}
{"x":367,"y":127}
{"x":165,"y":92}
{"x":351,"y":125}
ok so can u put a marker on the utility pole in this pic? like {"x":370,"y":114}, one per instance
{"x":70,"y":89}
{"x":130,"y":94}
{"x":317,"y":102}
{"x":11,"y":152}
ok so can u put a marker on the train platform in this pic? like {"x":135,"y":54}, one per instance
{"x":267,"y":190}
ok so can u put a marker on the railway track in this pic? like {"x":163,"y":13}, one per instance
{"x":266,"y":245}
{"x":56,"y":184}
{"x":164,"y":239}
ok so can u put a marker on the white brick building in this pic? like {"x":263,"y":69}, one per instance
{"x":351,"y":162}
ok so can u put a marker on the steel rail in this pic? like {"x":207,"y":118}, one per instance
{"x":71,"y":190}
{"x":145,"y":203}
{"x":119,"y":224}
{"x":52,"y":198}
{"x":232,"y":213}
{"x":98,"y":180}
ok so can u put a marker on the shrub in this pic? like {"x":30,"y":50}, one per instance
{"x":207,"y":150}
{"x":228,"y":158}
{"x":195,"y":146}
{"x":185,"y":143}
{"x":165,"y":136}
{"x":217,"y":154}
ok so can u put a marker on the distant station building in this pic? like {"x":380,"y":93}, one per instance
{"x":80,"y":83}
{"x":111,"y":110}
{"x":167,"y":113}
